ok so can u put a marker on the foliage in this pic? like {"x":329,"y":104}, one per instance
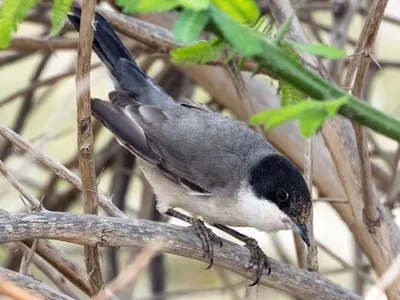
{"x":13,"y":13}
{"x":312,"y":114}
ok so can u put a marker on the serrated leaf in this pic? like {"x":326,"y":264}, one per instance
{"x":195,"y":4}
{"x":242,"y":38}
{"x":12,"y":13}
{"x":242,"y":11}
{"x":312,"y":121}
{"x":199,"y":53}
{"x":189,"y":25}
{"x":312,"y":114}
{"x":322,"y":50}
{"x":283,"y":30}
{"x":58,"y":14}
{"x":145,"y":6}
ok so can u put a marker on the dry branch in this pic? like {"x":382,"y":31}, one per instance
{"x":57,"y":168}
{"x":32,"y":286}
{"x":85,"y":137}
{"x":93,"y":230}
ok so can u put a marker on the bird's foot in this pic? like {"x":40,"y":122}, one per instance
{"x":208,"y":238}
{"x":258,"y":259}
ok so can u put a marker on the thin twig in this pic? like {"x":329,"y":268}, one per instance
{"x":131,"y":271}
{"x":344,"y":263}
{"x":23,"y":287}
{"x":57,"y":168}
{"x":85,"y":136}
{"x":59,"y":280}
{"x":387,"y":278}
{"x":312,"y":258}
{"x":358,"y":69}
{"x":393,"y":187}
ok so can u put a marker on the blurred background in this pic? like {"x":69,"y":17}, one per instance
{"x":37,"y":100}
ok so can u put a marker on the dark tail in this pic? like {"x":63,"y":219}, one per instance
{"x":128,"y":77}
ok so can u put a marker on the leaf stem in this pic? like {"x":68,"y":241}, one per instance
{"x":320,"y":89}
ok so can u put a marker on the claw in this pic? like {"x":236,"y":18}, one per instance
{"x":258,"y":258}
{"x":208,"y":238}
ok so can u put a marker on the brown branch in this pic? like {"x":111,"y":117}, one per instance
{"x":50,"y":81}
{"x":34,"y":44}
{"x":57,"y":168}
{"x":31,"y":288}
{"x":393,"y":187}
{"x":85,"y":137}
{"x":105,"y":231}
{"x":59,"y":280}
{"x":312,"y":253}
{"x":359,"y":73}
{"x":60,"y":261}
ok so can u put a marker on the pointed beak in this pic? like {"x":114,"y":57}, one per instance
{"x":302,"y":230}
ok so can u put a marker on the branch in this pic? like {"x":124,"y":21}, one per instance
{"x":93,"y":230}
{"x":57,"y":168}
{"x":85,"y":137}
{"x":32,"y":286}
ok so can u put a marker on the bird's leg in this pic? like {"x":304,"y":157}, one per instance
{"x":207,"y":237}
{"x":258,"y":257}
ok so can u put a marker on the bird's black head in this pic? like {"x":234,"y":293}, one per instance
{"x":276,"y":179}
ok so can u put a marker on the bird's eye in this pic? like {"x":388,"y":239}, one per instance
{"x":282,"y":195}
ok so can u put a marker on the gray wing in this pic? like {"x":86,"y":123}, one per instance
{"x":203,"y":151}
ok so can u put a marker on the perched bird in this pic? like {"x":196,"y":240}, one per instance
{"x":198,"y":160}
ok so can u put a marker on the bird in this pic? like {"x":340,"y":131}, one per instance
{"x":198,"y":160}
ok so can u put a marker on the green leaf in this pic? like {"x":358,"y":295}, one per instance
{"x":322,"y":50}
{"x":145,"y":6}
{"x":242,"y":38}
{"x":189,"y":25}
{"x":311,"y":121}
{"x":242,"y":11}
{"x":195,"y":4}
{"x":12,"y":13}
{"x":199,"y":53}
{"x":312,"y":114}
{"x":283,"y":30}
{"x":58,"y":14}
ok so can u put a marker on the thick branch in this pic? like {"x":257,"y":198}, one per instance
{"x":93,"y":230}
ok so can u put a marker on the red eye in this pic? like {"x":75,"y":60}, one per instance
{"x":282,"y":195}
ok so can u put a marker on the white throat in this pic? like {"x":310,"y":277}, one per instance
{"x":262,"y":214}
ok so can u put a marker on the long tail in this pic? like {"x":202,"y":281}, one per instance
{"x":127,"y":76}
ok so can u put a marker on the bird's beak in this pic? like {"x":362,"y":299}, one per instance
{"x":302,"y":230}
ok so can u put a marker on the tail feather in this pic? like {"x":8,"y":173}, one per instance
{"x":127,"y":76}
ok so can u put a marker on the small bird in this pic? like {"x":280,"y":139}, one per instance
{"x":198,"y":160}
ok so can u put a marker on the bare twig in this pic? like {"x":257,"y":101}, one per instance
{"x":312,"y":258}
{"x":345,"y":264}
{"x":33,"y":44}
{"x":18,"y":186}
{"x":358,"y":69}
{"x":57,"y":168}
{"x":85,"y":136}
{"x":50,"y":81}
{"x":132,"y":270}
{"x":387,"y":278}
{"x":392,"y":188}
{"x":107,"y":231}
{"x":59,"y":280}
{"x":23,"y":287}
